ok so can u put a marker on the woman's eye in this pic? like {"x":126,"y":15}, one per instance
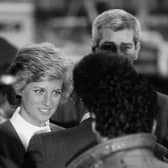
{"x":39,"y":91}
{"x":57,"y":92}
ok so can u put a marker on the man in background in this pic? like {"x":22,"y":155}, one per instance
{"x":118,"y":31}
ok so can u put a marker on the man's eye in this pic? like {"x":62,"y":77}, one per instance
{"x":126,"y":48}
{"x":108,"y":46}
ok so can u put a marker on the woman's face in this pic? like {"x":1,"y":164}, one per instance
{"x":40,"y":100}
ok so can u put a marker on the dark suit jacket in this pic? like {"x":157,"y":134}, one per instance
{"x":11,"y":146}
{"x":7,"y":163}
{"x":12,"y":150}
{"x":55,"y":150}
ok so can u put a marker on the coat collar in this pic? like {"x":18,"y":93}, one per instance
{"x":112,"y":146}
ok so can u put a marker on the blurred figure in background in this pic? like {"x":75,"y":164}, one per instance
{"x":7,"y":53}
{"x":6,"y":94}
{"x":118,"y":31}
{"x":124,"y":108}
{"x":39,"y":70}
{"x":6,"y":109}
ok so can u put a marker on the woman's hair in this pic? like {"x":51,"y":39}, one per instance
{"x":121,"y":100}
{"x":37,"y":62}
{"x":114,"y":19}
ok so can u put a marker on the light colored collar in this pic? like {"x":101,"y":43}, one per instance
{"x":26,"y":130}
{"x":85,"y":117}
{"x":112,"y":146}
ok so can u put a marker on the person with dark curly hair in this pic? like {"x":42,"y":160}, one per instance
{"x":116,"y":30}
{"x":124,"y":107}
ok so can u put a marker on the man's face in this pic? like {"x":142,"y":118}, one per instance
{"x":119,"y":41}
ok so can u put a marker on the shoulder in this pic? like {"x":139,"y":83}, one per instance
{"x":9,"y":137}
{"x":55,"y":127}
{"x":6,"y":128}
{"x":82,"y":131}
{"x":5,"y":124}
{"x":6,"y":134}
{"x":6,"y":162}
{"x":60,"y":146}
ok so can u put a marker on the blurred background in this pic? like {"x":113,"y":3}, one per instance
{"x":67,"y":24}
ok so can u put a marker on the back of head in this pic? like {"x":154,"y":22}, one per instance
{"x":122,"y":101}
{"x":114,"y":19}
{"x":35,"y":63}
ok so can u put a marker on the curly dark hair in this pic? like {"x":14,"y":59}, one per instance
{"x":122,"y":100}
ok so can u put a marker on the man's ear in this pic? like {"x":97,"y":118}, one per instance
{"x":94,"y":49}
{"x":137,"y":50}
{"x":18,"y":90}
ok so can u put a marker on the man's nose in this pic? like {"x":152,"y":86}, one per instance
{"x":119,"y":51}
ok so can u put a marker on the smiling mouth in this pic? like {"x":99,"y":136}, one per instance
{"x":45,"y":110}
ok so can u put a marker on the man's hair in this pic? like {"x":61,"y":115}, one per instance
{"x":35,"y":63}
{"x":122,"y":101}
{"x":114,"y":19}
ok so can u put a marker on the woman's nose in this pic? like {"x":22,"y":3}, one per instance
{"x":46,"y":100}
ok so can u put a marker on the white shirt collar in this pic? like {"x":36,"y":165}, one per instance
{"x":24,"y":129}
{"x":86,"y":116}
